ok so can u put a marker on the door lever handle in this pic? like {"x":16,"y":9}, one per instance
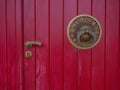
{"x":29,"y":44}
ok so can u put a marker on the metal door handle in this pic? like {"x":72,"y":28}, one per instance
{"x":29,"y":44}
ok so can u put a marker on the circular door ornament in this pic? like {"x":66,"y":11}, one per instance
{"x":84,"y":31}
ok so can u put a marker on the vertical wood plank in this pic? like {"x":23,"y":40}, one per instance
{"x":42,"y":53}
{"x":70,"y":52}
{"x":29,"y":35}
{"x":119,"y":53}
{"x":11,"y":47}
{"x":19,"y":48}
{"x":56,"y":44}
{"x":84,"y":56}
{"x":98,"y":11}
{"x":112,"y":37}
{"x":3,"y":63}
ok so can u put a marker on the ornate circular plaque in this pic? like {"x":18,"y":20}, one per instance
{"x":84,"y":31}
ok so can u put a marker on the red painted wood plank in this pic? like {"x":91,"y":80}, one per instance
{"x":119,"y":53}
{"x":42,"y":53}
{"x":70,"y":52}
{"x":11,"y":47}
{"x":98,"y":52}
{"x":84,"y":56}
{"x":3,"y":63}
{"x":19,"y":44}
{"x":56,"y":45}
{"x":112,"y":37}
{"x":29,"y":35}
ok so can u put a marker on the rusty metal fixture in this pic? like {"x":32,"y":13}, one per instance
{"x":84,"y":31}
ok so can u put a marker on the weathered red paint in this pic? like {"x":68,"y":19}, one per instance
{"x":57,"y":65}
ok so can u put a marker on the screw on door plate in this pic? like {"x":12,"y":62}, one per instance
{"x":28,"y":54}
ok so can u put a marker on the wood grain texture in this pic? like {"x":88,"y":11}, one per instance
{"x":29,"y":35}
{"x":19,"y":47}
{"x":112,"y":37}
{"x":42,"y":53}
{"x":57,"y":65}
{"x":10,"y":78}
{"x":119,"y":53}
{"x":11,"y":46}
{"x":98,"y":52}
{"x":70,"y":52}
{"x":84,"y":56}
{"x":3,"y":58}
{"x":56,"y":45}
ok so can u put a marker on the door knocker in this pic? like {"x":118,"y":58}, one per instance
{"x":84,"y":31}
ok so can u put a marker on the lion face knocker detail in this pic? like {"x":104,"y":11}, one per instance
{"x":84,"y":31}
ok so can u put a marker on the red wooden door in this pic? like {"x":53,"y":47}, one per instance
{"x":57,"y":65}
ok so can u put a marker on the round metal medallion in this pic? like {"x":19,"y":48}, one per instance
{"x":84,"y":31}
